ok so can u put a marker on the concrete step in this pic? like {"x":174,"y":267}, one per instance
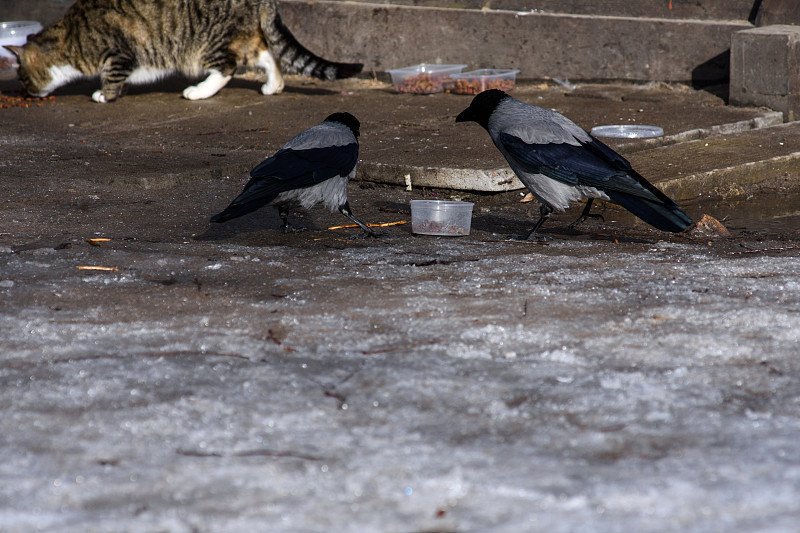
{"x":676,"y":9}
{"x":541,"y":45}
{"x":722,"y":163}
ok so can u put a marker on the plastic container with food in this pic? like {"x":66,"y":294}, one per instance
{"x":627,"y":131}
{"x":424,"y":78}
{"x":477,"y":81}
{"x":441,"y":217}
{"x":14,"y":33}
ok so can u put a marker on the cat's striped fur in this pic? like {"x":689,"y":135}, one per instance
{"x":139,"y":41}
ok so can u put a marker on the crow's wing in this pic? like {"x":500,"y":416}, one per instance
{"x":587,"y":164}
{"x":287,"y":170}
{"x":593,"y":164}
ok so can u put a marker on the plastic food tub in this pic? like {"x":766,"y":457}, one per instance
{"x":441,"y":217}
{"x":477,"y":81}
{"x":627,"y":131}
{"x":424,"y":78}
{"x":14,"y":33}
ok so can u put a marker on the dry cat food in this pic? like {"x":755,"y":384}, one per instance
{"x":483,"y":79}
{"x":425,"y":83}
{"x":20,"y":99}
{"x":478,"y":85}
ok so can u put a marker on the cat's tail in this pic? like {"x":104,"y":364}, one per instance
{"x":295,"y":58}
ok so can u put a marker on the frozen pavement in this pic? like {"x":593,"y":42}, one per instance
{"x":400,"y":386}
{"x":232,"y":378}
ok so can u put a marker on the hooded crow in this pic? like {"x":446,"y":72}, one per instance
{"x":561,"y":163}
{"x":313,"y":167}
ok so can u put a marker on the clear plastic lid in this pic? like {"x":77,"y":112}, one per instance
{"x":627,"y":131}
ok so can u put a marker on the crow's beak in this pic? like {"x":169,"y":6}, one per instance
{"x":466,"y":116}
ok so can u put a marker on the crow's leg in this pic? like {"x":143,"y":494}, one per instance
{"x":283,"y":212}
{"x":368,"y":232}
{"x":544,"y":211}
{"x":586,"y":214}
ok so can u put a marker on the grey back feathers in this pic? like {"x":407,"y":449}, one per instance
{"x":535,"y":125}
{"x":331,"y":132}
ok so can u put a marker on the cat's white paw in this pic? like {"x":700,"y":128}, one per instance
{"x":99,"y":97}
{"x":208,"y":87}
{"x":274,"y":83}
{"x":194,"y":93}
{"x":272,"y":87}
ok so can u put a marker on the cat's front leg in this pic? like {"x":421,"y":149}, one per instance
{"x":208,"y":87}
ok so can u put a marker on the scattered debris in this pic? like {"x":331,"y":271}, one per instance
{"x":21,"y":99}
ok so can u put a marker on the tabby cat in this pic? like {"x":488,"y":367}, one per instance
{"x":140,"y":41}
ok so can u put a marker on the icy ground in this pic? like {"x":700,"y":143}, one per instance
{"x":489,"y":386}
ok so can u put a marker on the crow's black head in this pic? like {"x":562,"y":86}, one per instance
{"x":347,"y":119}
{"x":482,"y":107}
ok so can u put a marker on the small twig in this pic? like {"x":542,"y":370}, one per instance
{"x":382,"y":225}
{"x":101,"y":268}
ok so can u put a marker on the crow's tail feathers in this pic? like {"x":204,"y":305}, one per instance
{"x":256,"y":194}
{"x":236,"y":210}
{"x":666,"y":217}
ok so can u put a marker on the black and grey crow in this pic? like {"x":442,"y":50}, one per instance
{"x":561,"y":163}
{"x":313,"y":167}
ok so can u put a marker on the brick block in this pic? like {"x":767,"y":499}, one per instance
{"x":765,"y":69}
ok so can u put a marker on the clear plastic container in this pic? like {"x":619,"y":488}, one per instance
{"x":627,"y":131}
{"x":441,"y":217}
{"x":424,"y":78}
{"x":477,"y":81}
{"x":14,"y":33}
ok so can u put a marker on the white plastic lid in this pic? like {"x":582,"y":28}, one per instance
{"x":627,"y":131}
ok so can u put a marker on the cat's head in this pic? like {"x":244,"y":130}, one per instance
{"x":38,"y":73}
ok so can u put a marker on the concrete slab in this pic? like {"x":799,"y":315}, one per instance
{"x":698,"y":9}
{"x":765,"y":68}
{"x":723,"y":161}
